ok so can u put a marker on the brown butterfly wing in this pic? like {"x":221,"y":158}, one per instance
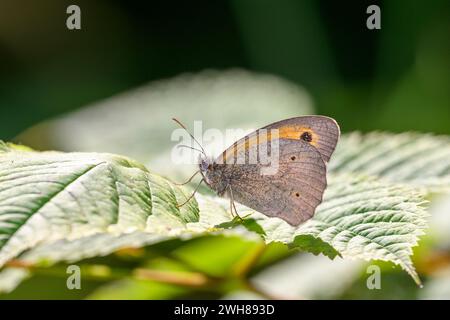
{"x":324,"y":132}
{"x":319,"y":131}
{"x":292,"y":193}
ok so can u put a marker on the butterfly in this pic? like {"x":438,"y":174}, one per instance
{"x":292,"y":186}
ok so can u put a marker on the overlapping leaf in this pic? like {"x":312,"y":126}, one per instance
{"x":69,"y":206}
{"x":421,"y":160}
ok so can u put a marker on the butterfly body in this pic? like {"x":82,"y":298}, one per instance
{"x":288,"y":178}
{"x":213,"y":174}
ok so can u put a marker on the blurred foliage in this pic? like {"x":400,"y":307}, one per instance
{"x":394,"y":79}
{"x":92,"y":204}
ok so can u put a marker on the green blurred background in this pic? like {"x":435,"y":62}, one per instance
{"x":396,"y":78}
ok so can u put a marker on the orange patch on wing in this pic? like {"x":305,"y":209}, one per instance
{"x":287,"y":132}
{"x":295,"y":132}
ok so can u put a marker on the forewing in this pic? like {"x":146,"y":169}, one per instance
{"x":318,"y":131}
{"x":324,"y":132}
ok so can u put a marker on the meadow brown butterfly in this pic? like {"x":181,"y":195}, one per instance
{"x":289,"y":185}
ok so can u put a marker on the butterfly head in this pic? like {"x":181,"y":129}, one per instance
{"x":205,"y":163}
{"x":206,"y":166}
{"x":212,"y":174}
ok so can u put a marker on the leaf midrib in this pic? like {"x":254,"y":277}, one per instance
{"x":50,"y":198}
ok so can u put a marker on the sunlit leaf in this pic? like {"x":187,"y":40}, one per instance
{"x":70,"y":206}
{"x":315,"y":245}
{"x":422,"y":160}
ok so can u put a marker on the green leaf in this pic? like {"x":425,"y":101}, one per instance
{"x":314,"y":245}
{"x":132,"y":289}
{"x":71,"y":206}
{"x":422,"y":160}
{"x":3,"y":146}
{"x":49,"y":196}
{"x":369,"y":219}
{"x":362,"y":217}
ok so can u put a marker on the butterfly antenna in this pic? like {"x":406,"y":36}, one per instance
{"x":190,"y":179}
{"x":186,"y":146}
{"x":183,"y":126}
{"x":192,"y":195}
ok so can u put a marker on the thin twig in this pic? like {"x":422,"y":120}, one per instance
{"x":189,"y":279}
{"x":245,"y":265}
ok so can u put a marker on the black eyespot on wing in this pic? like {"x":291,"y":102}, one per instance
{"x":293,"y":158}
{"x":297,"y":194}
{"x":306,"y":136}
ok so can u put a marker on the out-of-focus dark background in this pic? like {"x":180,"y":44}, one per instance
{"x":292,"y":57}
{"x":396,"y":78}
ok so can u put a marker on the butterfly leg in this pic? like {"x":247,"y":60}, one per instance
{"x":231,"y":209}
{"x":233,"y":206}
{"x":231,"y":203}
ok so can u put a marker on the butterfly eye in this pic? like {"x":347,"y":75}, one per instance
{"x":204,"y":165}
{"x":306,"y":136}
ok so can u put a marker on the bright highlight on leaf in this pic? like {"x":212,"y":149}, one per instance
{"x":71,"y":206}
{"x":421,"y":160}
{"x":372,"y":220}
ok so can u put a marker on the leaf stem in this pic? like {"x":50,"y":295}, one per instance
{"x":245,"y":265}
{"x":188,"y":279}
